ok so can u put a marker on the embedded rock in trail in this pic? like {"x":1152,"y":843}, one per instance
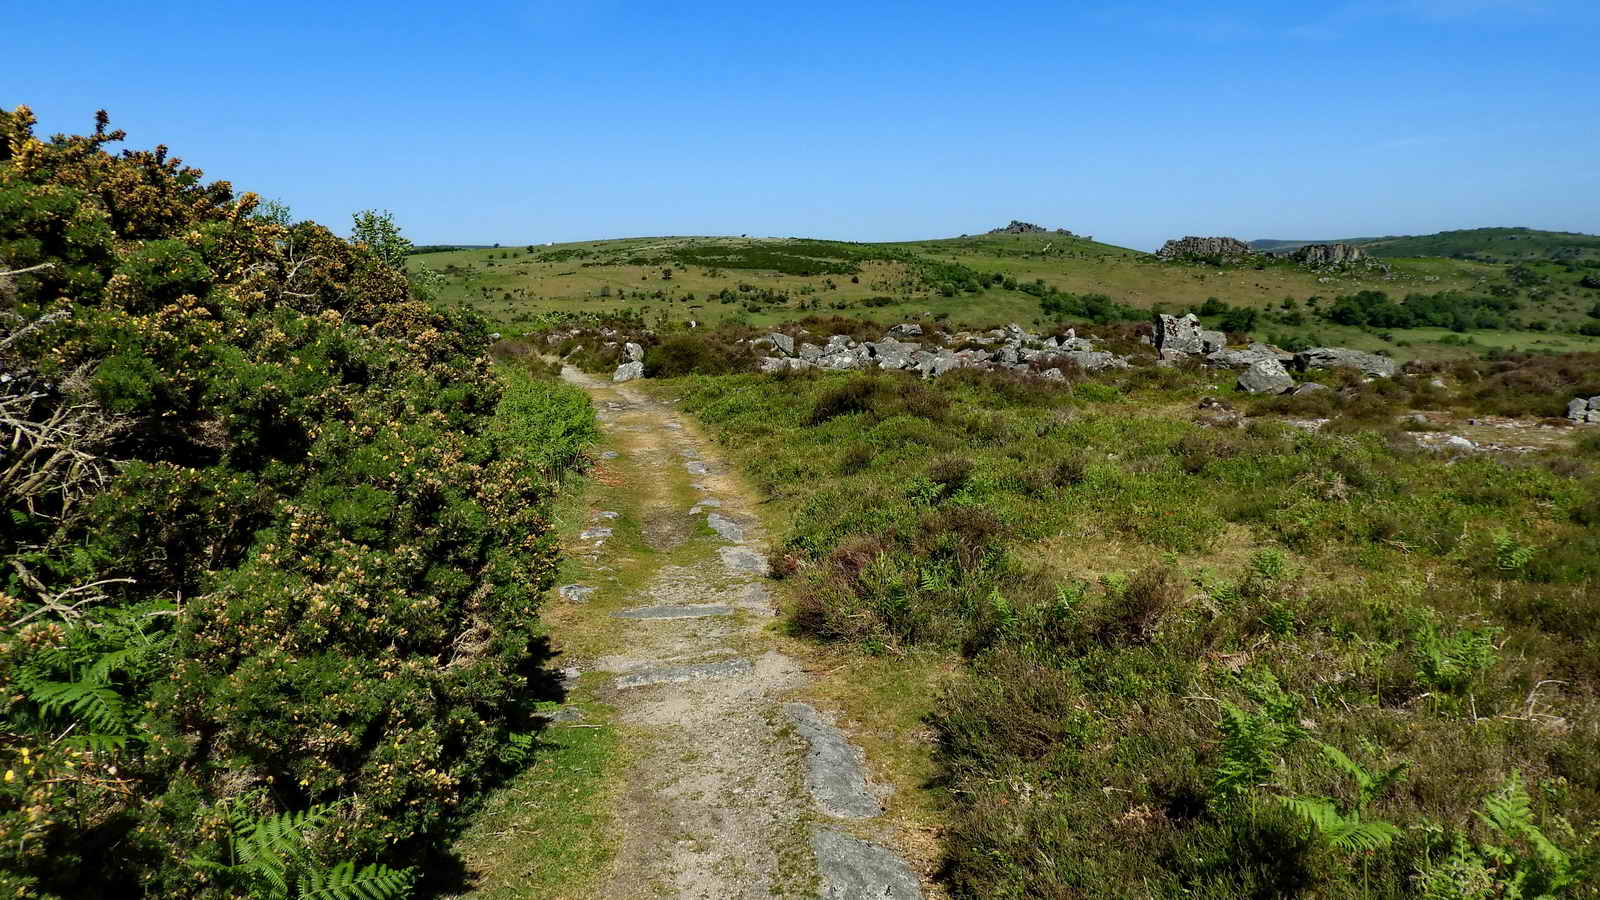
{"x":632,"y":352}
{"x":1173,"y":334}
{"x":1266,"y":376}
{"x":696,"y":468}
{"x":835,"y":775}
{"x":743,"y":560}
{"x":732,"y":668}
{"x":853,"y":869}
{"x":575,"y":593}
{"x":727,"y":528}
{"x":628,"y":372}
{"x":1340,"y":357}
{"x":1226,"y":248}
{"x":675,"y":612}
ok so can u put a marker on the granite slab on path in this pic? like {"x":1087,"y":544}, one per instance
{"x":675,"y":612}
{"x":835,"y":775}
{"x":732,"y":668}
{"x":853,"y":869}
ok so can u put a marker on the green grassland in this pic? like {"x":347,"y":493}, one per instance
{"x":1203,"y":658}
{"x":980,"y":281}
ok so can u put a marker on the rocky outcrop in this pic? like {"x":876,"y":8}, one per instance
{"x":1208,"y":248}
{"x":1370,"y":364}
{"x":1267,"y":376}
{"x":1584,"y":409}
{"x":1018,"y":226}
{"x":632,"y":352}
{"x":1328,"y":254}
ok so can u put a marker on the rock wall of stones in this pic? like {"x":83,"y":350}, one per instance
{"x":1205,"y":247}
{"x":1328,"y":254}
{"x":1001,"y":348}
{"x":1263,"y":368}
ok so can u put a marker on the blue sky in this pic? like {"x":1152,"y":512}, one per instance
{"x":519,"y":122}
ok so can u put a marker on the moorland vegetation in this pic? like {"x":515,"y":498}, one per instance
{"x":1204,"y":649}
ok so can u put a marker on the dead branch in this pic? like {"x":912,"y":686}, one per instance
{"x":68,"y":603}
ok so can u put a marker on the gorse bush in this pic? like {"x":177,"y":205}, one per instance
{"x":275,"y":538}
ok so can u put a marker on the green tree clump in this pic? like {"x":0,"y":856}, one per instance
{"x":268,"y":563}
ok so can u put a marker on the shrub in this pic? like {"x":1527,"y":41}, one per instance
{"x":292,"y":575}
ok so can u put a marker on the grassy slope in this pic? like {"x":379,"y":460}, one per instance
{"x":513,"y":284}
{"x":1312,"y":580}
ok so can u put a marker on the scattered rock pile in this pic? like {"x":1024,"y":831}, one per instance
{"x":1191,"y":247}
{"x":1001,"y":348}
{"x":1584,"y":409}
{"x":1266,"y":368}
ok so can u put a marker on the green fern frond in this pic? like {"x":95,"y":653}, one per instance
{"x":1353,"y":836}
{"x":1510,"y":812}
{"x":345,"y":882}
{"x":1344,"y":832}
{"x":97,"y":705}
{"x":272,"y":846}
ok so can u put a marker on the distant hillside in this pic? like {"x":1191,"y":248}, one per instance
{"x":1499,"y":245}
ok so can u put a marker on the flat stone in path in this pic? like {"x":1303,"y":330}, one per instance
{"x":834,"y":774}
{"x":728,"y":528}
{"x":743,"y":559}
{"x":609,"y":454}
{"x":697,"y":468}
{"x":680,"y":674}
{"x":853,"y":869}
{"x":598,"y":532}
{"x":675,"y":612}
{"x":575,"y":593}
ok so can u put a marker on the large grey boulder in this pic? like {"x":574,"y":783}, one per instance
{"x":1345,"y":358}
{"x":1175,"y":335}
{"x":810,"y":352}
{"x":628,"y":372}
{"x":905,"y":330}
{"x":944,"y":361}
{"x":1576,"y":407}
{"x":1267,"y":376}
{"x":1212,"y":341}
{"x":772,"y":364}
{"x":632,"y":352}
{"x":1309,"y":387}
{"x":1239,"y":359}
{"x":782,"y":342}
{"x":891,"y":354}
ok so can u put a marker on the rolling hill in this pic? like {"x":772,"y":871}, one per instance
{"x":972,"y":280}
{"x":1499,"y":245}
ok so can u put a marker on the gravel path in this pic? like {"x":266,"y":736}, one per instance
{"x":733,"y":790}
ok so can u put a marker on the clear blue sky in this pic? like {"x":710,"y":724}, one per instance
{"x":518,"y":122}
